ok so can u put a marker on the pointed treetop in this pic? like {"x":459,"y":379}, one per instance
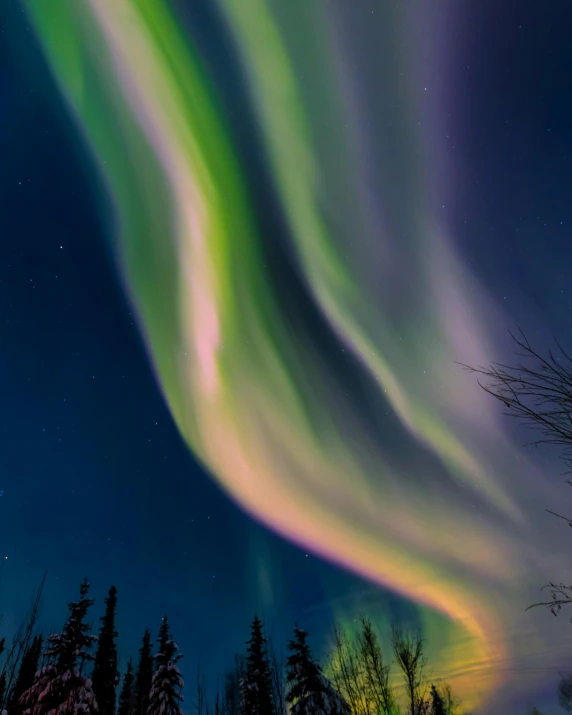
{"x":126,"y":697}
{"x":165,"y":696}
{"x":437,"y":704}
{"x":143,"y":676}
{"x":105,"y":675}
{"x":309,"y":691}
{"x":60,"y":686}
{"x":257,"y":693}
{"x":26,"y":674}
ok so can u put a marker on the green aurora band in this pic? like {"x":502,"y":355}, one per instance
{"x":281,"y":432}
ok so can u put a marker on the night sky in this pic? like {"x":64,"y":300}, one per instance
{"x":382,"y":193}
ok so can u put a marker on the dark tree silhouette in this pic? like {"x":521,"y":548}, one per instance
{"x":26,"y":674}
{"x":105,"y":674}
{"x":144,"y":676}
{"x":410,"y":659}
{"x":451,"y":705}
{"x":2,"y":686}
{"x":278,"y":678}
{"x":126,"y":696}
{"x":346,"y":670}
{"x":256,"y":686}
{"x":375,"y":672}
{"x":201,"y":703}
{"x":60,"y":686}
{"x":538,"y":392}
{"x":437,"y":704}
{"x":309,"y":691}
{"x":165,"y":697}
{"x":231,"y":689}
{"x":20,"y":643}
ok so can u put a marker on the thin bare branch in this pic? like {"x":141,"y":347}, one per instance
{"x":21,"y":642}
{"x":561,"y":595}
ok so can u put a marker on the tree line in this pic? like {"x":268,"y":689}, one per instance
{"x":76,"y":672}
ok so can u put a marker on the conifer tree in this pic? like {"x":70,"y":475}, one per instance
{"x":309,"y":691}
{"x":144,"y":676}
{"x":165,"y":697}
{"x":26,"y":674}
{"x":437,"y":704}
{"x":256,"y":686}
{"x":105,"y":674}
{"x":126,"y":697}
{"x":60,"y":688}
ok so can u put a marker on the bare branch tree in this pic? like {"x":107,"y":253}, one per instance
{"x":20,"y":643}
{"x":278,"y":678}
{"x":561,"y":595}
{"x":231,"y":694}
{"x":538,"y":392}
{"x":375,"y":670}
{"x":217,"y":702}
{"x":346,"y":674}
{"x":410,"y":658}
{"x":201,"y":704}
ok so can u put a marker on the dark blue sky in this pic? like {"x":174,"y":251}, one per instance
{"x":95,"y":477}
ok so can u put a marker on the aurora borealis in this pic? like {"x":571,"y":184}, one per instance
{"x":305,"y":299}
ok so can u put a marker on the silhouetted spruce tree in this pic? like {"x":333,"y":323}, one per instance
{"x":60,"y":687}
{"x":309,"y":691}
{"x":256,"y":690}
{"x":105,"y":675}
{"x":165,"y":696}
{"x":437,"y":704}
{"x":26,"y":674}
{"x":126,"y":697}
{"x":143,"y":676}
